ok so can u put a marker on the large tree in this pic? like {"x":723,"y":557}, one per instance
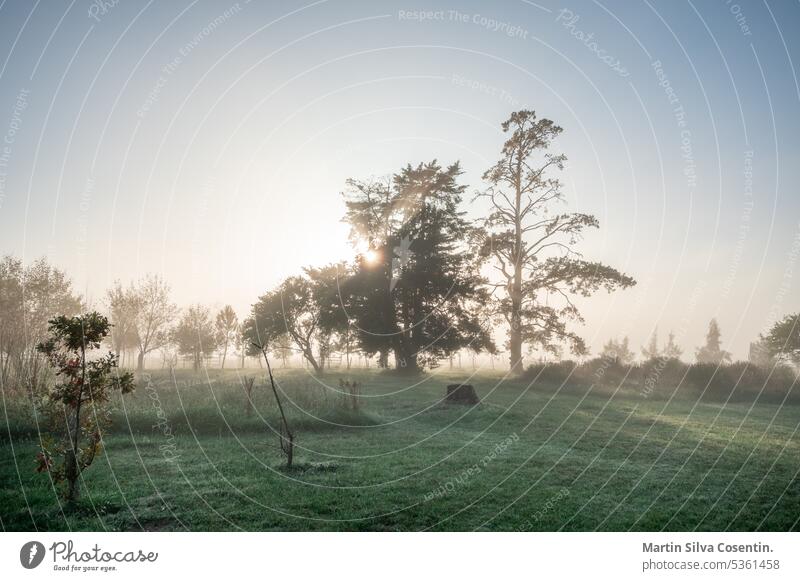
{"x":532,"y":246}
{"x":416,"y":291}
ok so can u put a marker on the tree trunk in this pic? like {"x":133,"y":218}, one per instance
{"x":224,"y":355}
{"x":515,"y":332}
{"x":140,"y":362}
{"x":309,"y":356}
{"x":71,"y":476}
{"x":515,"y":346}
{"x":405,"y":358}
{"x":71,"y":471}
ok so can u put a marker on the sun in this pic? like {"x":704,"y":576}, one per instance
{"x":371,"y":256}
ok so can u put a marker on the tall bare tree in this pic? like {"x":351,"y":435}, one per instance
{"x":532,"y":247}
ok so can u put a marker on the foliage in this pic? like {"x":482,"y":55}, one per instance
{"x":334,"y":319}
{"x":124,"y":305}
{"x":81,"y":395}
{"x":663,"y":378}
{"x":783,"y":339}
{"x":420,"y":295}
{"x":291,"y":310}
{"x":226,"y":325}
{"x":29,"y":297}
{"x":195,"y":334}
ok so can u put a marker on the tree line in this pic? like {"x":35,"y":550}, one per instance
{"x":426,"y":282}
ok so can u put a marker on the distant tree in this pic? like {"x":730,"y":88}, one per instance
{"x":242,"y":343}
{"x":282,"y":349}
{"x":80,"y":397}
{"x":226,"y":325}
{"x":29,"y":297}
{"x":671,"y":349}
{"x":783,"y":340}
{"x":532,"y":247}
{"x":195,"y":334}
{"x":651,"y":351}
{"x":712,"y":351}
{"x":618,"y":351}
{"x":48,"y":291}
{"x":760,"y":354}
{"x":154,"y":316}
{"x":169,"y":354}
{"x":417,"y":292}
{"x":124,"y":306}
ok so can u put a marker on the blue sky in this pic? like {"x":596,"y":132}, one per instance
{"x":210,"y":141}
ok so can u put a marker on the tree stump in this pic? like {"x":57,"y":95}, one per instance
{"x":462,"y":393}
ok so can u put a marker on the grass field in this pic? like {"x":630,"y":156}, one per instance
{"x":183,"y":454}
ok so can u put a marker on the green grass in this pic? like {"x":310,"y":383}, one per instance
{"x":527,"y":458}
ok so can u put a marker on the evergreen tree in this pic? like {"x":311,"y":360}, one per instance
{"x":417,"y":291}
{"x":712,"y":351}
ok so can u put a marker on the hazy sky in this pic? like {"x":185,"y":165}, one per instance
{"x":210,"y":141}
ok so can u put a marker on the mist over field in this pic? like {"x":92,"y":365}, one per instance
{"x":379,"y":267}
